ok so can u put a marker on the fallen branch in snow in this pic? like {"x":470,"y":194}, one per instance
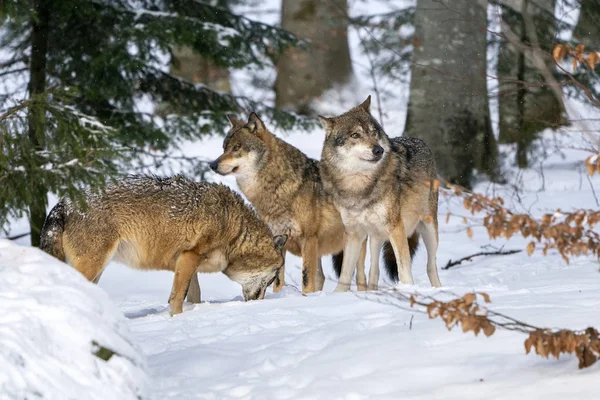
{"x":15,"y":237}
{"x":467,"y":313}
{"x":500,"y":252}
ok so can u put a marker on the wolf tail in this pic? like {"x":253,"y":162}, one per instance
{"x":389,"y":258}
{"x":51,"y":240}
{"x":337,"y":260}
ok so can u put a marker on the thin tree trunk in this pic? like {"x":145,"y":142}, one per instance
{"x":587,"y":30}
{"x":303,"y":75}
{"x":526,"y":105}
{"x":36,"y":120}
{"x":448,"y":106}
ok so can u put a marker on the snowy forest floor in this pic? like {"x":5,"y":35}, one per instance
{"x":348,"y":346}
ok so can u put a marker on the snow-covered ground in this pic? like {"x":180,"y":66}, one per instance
{"x":348,"y":346}
{"x":52,"y":322}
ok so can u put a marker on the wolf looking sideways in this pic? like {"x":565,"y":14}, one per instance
{"x":383,"y":188}
{"x":166,"y":224}
{"x":284,"y":186}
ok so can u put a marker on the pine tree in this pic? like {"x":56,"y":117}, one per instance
{"x":81,"y":76}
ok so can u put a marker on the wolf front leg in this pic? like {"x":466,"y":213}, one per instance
{"x":399,"y":243}
{"x":185,"y":267}
{"x":320,"y":276}
{"x":376,"y":243}
{"x":310,"y":263}
{"x":280,"y":278}
{"x":361,"y":278}
{"x":193,"y":292}
{"x":351,"y":255}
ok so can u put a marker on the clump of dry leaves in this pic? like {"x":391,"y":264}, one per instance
{"x":591,"y":59}
{"x":463,"y":311}
{"x":467,"y":313}
{"x":585,"y":345}
{"x":571,"y":233}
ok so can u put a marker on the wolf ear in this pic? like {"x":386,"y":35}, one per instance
{"x":366,"y":105}
{"x":235,"y":122}
{"x":255,"y":124}
{"x":327,"y":123}
{"x":279,"y":241}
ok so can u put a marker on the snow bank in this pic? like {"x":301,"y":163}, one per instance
{"x":50,"y":319}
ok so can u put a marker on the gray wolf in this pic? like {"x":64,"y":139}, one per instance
{"x":285,"y":187}
{"x":171,"y":224}
{"x":383,"y":188}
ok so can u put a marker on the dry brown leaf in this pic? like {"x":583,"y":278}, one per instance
{"x":530,"y":248}
{"x":469,"y":232}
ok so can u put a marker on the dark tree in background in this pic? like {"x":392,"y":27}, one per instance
{"x":527,"y":105}
{"x":448,"y":106}
{"x":304,"y":74}
{"x":80,"y":80}
{"x":587,"y":30}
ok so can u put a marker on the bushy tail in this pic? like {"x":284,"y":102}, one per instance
{"x":389,"y":258}
{"x":52,"y":232}
{"x":337,"y":260}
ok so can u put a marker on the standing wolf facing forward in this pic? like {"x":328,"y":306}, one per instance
{"x":383,"y":188}
{"x":166,"y":224}
{"x":285,"y":187}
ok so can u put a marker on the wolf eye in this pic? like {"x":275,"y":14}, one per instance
{"x":235,"y":147}
{"x":355,"y":135}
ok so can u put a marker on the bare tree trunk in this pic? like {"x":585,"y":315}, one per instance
{"x":448,"y":106}
{"x":36,"y":120}
{"x":193,"y":67}
{"x":303,"y":75}
{"x":587,"y":31}
{"x":526,"y":105}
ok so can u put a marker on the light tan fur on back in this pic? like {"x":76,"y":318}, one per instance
{"x":167,"y":224}
{"x":383,"y":188}
{"x":285,"y":188}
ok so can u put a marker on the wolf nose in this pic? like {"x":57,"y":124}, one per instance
{"x":214,"y":165}
{"x":377,"y":150}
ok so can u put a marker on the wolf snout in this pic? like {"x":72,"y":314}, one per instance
{"x":214,"y":165}
{"x":377,"y":151}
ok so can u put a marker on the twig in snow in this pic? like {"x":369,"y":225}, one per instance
{"x":500,"y":252}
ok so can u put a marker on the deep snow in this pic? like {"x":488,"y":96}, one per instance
{"x":51,"y":320}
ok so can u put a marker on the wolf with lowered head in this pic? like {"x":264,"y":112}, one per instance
{"x":170,"y":224}
{"x":285,"y":187}
{"x":383,"y":188}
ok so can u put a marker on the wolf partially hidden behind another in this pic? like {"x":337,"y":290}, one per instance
{"x":384,"y":188}
{"x":167,"y":224}
{"x":285,"y":187}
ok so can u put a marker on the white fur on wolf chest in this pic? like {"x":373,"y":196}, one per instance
{"x":368,"y":221}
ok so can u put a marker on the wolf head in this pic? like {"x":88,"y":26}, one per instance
{"x":355,"y":141}
{"x":244,"y":148}
{"x":258,"y":268}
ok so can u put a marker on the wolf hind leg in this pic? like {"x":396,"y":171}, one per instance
{"x":399,"y":242}
{"x":89,"y":258}
{"x":185,"y":267}
{"x":429,"y":232}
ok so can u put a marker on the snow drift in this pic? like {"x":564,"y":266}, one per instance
{"x":56,"y":331}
